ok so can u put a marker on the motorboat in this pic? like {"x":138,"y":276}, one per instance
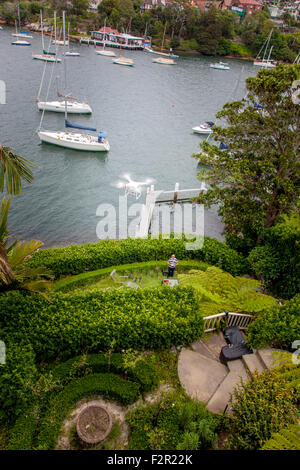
{"x":205,"y":128}
{"x":220,"y":66}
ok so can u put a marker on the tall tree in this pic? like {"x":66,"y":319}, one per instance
{"x":256,"y":179}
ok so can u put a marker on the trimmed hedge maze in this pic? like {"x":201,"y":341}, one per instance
{"x":39,"y":426}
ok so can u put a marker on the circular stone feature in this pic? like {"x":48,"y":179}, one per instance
{"x":93,"y":424}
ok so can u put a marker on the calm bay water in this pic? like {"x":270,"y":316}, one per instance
{"x":148,"y":111}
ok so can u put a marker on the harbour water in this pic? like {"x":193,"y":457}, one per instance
{"x":148,"y":112}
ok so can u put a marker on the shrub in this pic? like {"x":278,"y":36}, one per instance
{"x":75,"y":259}
{"x":108,"y":385}
{"x":173,"y":422}
{"x":278,"y":326}
{"x":286,"y":439}
{"x":277,"y":261}
{"x":17,"y":377}
{"x":91,"y":320}
{"x":141,"y":372}
{"x":261,"y":407}
{"x":21,"y":437}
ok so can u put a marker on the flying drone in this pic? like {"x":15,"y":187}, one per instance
{"x":133,"y":188}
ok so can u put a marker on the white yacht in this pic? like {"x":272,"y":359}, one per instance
{"x":205,"y":128}
{"x":76,"y":141}
{"x":220,"y":66}
{"x":73,"y":107}
{"x":265,"y":63}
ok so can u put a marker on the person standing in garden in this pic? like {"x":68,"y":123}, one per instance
{"x":172,"y":263}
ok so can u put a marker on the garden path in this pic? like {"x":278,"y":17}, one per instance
{"x":204,"y":378}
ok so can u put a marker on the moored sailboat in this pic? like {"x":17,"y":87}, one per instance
{"x":72,"y":140}
{"x":20,"y":34}
{"x":164,"y":60}
{"x":265,"y":63}
{"x":46,"y":56}
{"x":103,"y":51}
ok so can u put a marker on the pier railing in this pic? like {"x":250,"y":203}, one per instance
{"x":214,"y":322}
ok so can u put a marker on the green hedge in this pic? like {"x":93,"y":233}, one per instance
{"x":140,"y":372}
{"x":75,"y":259}
{"x":108,"y":385}
{"x":279,"y":326}
{"x":91,"y":320}
{"x":70,"y":282}
{"x":22,"y":434}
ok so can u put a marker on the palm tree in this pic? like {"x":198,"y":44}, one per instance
{"x":13,"y":169}
{"x":13,"y":271}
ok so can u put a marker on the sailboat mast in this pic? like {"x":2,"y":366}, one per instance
{"x":55,"y":27}
{"x":64,"y":33}
{"x":42,"y":29}
{"x":267,"y":44}
{"x":19,"y":17}
{"x":163,"y":39}
{"x":270,"y":53}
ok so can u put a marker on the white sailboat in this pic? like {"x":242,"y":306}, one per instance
{"x":103,"y":51}
{"x":20,"y":34}
{"x":163,"y":60}
{"x":70,"y":53}
{"x":121,"y":60}
{"x":46,"y":56}
{"x":72,"y":140}
{"x":265,"y":63}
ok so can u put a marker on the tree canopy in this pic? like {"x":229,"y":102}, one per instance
{"x":256,"y":178}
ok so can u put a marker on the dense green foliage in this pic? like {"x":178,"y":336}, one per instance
{"x":211,"y":32}
{"x":262,"y":407}
{"x":286,"y":439}
{"x":219,"y":291}
{"x":173,"y":422}
{"x":277,"y":260}
{"x":279,"y":326}
{"x":66,"y":383}
{"x":107,"y":385}
{"x":256,"y":179}
{"x":75,"y":259}
{"x":17,"y":377}
{"x":93,"y":320}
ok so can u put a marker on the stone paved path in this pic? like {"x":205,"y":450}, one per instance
{"x":204,"y":378}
